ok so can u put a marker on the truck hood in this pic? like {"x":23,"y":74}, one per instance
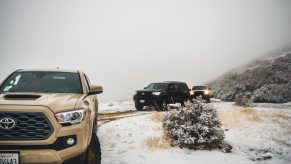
{"x":57,"y":102}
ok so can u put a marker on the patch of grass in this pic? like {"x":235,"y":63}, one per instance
{"x":251,"y":114}
{"x":154,"y":143}
{"x":279,"y":118}
{"x":230,"y":119}
{"x":233,"y":118}
{"x":156,"y":117}
{"x":288,"y":131}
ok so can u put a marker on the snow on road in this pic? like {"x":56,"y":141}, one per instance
{"x":118,"y":106}
{"x":258,"y":135}
{"x":123,"y":142}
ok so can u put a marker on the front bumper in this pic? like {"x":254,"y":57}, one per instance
{"x":204,"y":96}
{"x":43,"y":151}
{"x":147,"y":101}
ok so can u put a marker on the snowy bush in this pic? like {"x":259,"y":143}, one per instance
{"x":267,"y":81}
{"x":243,"y":99}
{"x":195,"y":126}
{"x":272,"y":93}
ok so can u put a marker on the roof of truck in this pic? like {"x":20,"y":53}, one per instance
{"x":47,"y":70}
{"x":174,"y":82}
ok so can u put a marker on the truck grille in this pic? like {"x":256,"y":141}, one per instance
{"x":28,"y":126}
{"x":198,"y":93}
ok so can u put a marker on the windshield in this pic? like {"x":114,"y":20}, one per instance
{"x":154,"y":86}
{"x":43,"y":82}
{"x":199,"y":88}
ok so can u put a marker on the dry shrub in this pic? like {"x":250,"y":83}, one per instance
{"x":154,"y":143}
{"x":158,"y":128}
{"x":243,"y":100}
{"x":156,"y":117}
{"x":232,"y":118}
{"x":251,"y":115}
{"x":279,"y":118}
{"x":276,"y":119}
{"x":288,"y":131}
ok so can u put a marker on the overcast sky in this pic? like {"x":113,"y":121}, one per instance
{"x":125,"y":44}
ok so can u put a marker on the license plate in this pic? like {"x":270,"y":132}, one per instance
{"x":9,"y":158}
{"x":142,"y":101}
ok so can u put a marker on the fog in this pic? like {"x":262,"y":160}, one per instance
{"x":125,"y":44}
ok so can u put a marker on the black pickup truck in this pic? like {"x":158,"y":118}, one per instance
{"x":160,"y":94}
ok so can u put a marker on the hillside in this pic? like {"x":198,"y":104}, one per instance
{"x":266,"y":80}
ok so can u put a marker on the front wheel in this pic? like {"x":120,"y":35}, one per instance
{"x":138,"y":106}
{"x":93,"y":155}
{"x":207,"y":100}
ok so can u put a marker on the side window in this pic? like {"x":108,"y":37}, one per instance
{"x":172,"y":87}
{"x":182,"y":86}
{"x":87,"y":83}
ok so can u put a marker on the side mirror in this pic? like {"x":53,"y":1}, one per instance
{"x":145,"y":88}
{"x":95,"y":89}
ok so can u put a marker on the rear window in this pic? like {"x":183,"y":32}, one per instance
{"x":43,"y":82}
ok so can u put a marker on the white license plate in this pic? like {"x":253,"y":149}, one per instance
{"x":142,"y":101}
{"x":9,"y":158}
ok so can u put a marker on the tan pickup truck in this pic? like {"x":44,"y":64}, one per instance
{"x":48,"y":116}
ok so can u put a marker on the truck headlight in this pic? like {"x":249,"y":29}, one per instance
{"x":156,"y":93}
{"x":191,"y":93}
{"x":206,"y":92}
{"x":72,"y":117}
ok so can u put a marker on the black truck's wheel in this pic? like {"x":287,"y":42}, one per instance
{"x":162,"y":106}
{"x":207,"y":99}
{"x":138,"y":106}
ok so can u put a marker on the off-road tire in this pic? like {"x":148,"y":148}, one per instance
{"x":208,"y":100}
{"x":138,"y":106}
{"x":162,"y":106}
{"x":93,"y":153}
{"x":91,"y":156}
{"x":183,"y":102}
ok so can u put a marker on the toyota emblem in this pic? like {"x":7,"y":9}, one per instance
{"x":7,"y":123}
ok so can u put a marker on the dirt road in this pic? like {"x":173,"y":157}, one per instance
{"x":104,"y":118}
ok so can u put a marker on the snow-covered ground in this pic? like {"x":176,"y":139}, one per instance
{"x":117,"y":106}
{"x":261,"y":134}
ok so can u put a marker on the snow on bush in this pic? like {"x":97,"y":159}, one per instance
{"x":243,"y":99}
{"x":195,"y":126}
{"x":267,"y":81}
{"x":272,"y":93}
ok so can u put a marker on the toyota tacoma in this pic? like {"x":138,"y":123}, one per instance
{"x":48,"y":116}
